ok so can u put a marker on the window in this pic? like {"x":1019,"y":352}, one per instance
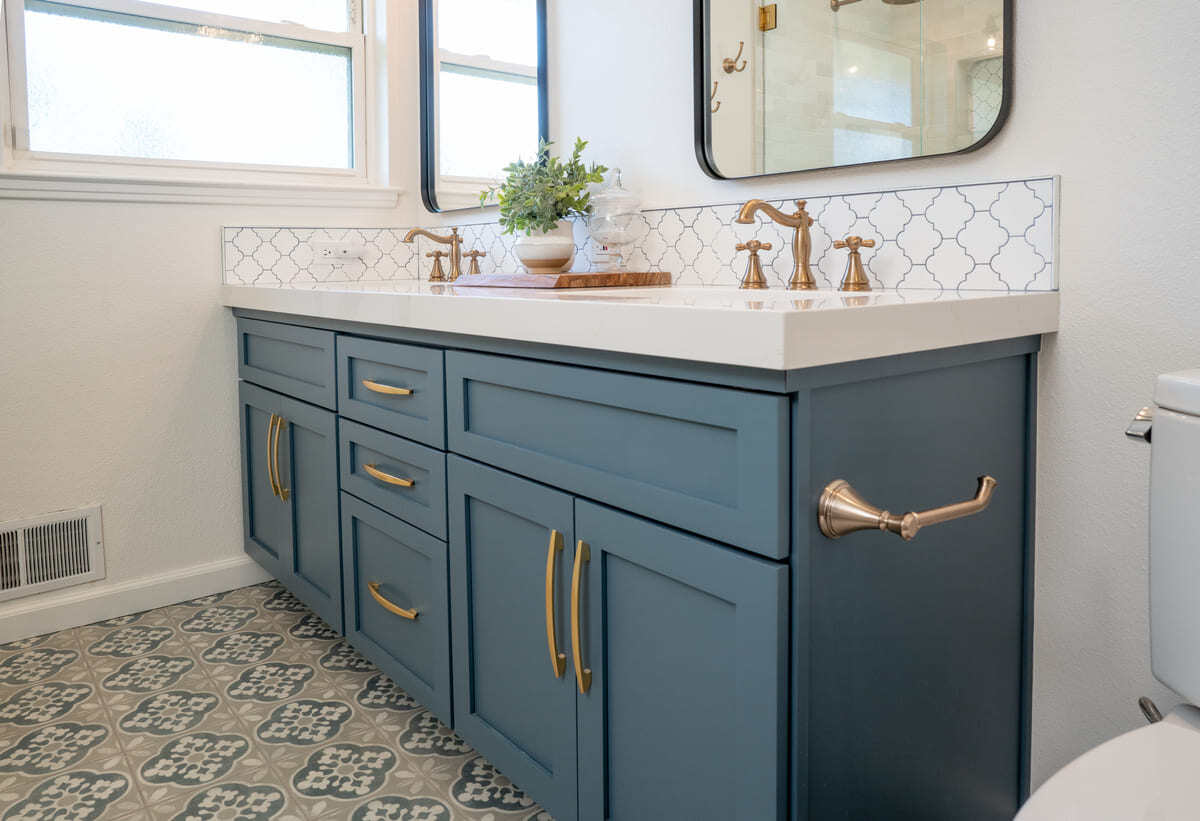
{"x":280,"y":85}
{"x":487,"y":72}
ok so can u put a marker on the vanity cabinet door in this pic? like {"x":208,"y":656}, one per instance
{"x":290,"y":496}
{"x":685,"y":640}
{"x":508,"y":701}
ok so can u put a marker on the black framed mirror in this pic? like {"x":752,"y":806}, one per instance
{"x":483,"y":94}
{"x":799,"y":85}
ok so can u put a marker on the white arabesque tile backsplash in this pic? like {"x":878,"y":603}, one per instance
{"x":991,"y":236}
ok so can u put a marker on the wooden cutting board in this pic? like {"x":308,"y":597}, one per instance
{"x":598,"y":279}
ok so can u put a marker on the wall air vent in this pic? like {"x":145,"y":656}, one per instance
{"x":52,"y":551}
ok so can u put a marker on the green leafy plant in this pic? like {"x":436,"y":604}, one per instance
{"x":535,"y":196}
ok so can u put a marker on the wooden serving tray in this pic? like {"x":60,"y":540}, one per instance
{"x":598,"y":279}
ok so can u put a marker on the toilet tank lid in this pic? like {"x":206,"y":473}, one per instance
{"x":1179,"y":391}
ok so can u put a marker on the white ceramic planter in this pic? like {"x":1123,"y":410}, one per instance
{"x":549,"y":253}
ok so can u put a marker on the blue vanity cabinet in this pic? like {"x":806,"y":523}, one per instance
{"x":289,"y":490}
{"x":511,"y":547}
{"x":684,"y":641}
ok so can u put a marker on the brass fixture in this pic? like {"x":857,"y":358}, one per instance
{"x":387,"y":390}
{"x":387,"y":478}
{"x":411,"y":615}
{"x":270,"y":455}
{"x":730,"y":64}
{"x":717,"y":105}
{"x":841,"y":510}
{"x":473,"y":268}
{"x":437,"y":274}
{"x":768,"y":17}
{"x":802,"y":278}
{"x":855,"y":279}
{"x":283,"y":492}
{"x":583,"y":675}
{"x":454,"y":241}
{"x":754,"y":279}
{"x":558,"y":660}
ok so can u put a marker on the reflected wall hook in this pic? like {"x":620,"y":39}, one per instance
{"x":730,"y":64}
{"x":717,"y":105}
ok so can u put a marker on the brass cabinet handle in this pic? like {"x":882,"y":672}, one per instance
{"x":582,"y":674}
{"x":270,"y":456}
{"x":283,"y":491}
{"x":841,"y":510}
{"x":411,"y":615}
{"x":387,"y":390}
{"x":388,"y":478}
{"x":557,"y":660}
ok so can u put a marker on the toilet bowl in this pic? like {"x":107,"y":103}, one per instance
{"x":1153,"y":773}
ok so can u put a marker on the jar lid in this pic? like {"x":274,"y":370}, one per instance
{"x":615,"y":198}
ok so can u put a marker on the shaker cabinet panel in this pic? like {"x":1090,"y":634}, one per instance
{"x":399,"y":388}
{"x":288,"y":358}
{"x":513,"y":700}
{"x":289,"y":474}
{"x":685,"y":716}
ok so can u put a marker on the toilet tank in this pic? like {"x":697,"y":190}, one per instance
{"x":1175,"y":534}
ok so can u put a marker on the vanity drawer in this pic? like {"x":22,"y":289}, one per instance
{"x":377,"y":467}
{"x":399,"y":388}
{"x":289,"y":359}
{"x":709,"y":460}
{"x":397,"y":601}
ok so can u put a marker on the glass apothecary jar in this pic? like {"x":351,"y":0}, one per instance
{"x":612,"y":225}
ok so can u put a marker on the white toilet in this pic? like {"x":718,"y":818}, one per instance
{"x":1153,"y":773}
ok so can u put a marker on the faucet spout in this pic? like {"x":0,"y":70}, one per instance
{"x":452,"y":239}
{"x":802,"y":278}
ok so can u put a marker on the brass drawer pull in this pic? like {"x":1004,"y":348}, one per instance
{"x":583,"y":675}
{"x":271,"y":458}
{"x":283,"y":491}
{"x":841,"y":510}
{"x":411,"y":615}
{"x":387,"y":390}
{"x":388,"y":478}
{"x":558,"y":660}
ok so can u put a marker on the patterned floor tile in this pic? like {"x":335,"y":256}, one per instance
{"x":243,"y":706}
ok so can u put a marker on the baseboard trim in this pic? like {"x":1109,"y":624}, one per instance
{"x":95,"y":602}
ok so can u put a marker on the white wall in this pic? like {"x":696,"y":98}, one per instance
{"x":1103,"y":91}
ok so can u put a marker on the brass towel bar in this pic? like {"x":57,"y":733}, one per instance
{"x":841,"y":510}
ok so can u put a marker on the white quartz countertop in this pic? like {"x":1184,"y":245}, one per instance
{"x":775,"y":329}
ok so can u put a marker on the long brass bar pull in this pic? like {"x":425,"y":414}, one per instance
{"x":391,"y":607}
{"x":558,"y":660}
{"x":271,"y":456}
{"x":387,"y":478}
{"x":583,"y":675}
{"x":387,"y":390}
{"x":841,"y":510}
{"x":283,"y":491}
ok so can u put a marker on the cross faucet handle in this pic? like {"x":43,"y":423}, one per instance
{"x":854,"y":243}
{"x":473,"y":269}
{"x":438,"y":274}
{"x":753,"y":246}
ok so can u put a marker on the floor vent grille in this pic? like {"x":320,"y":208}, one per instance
{"x":49,"y":552}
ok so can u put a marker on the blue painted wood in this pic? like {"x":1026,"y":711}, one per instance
{"x":507,"y":701}
{"x":420,"y":415}
{"x":914,"y":650}
{"x":423,"y":504}
{"x":290,"y":359}
{"x":711,"y":460}
{"x":686,"y":716}
{"x":410,"y":567}
{"x":295,"y":539}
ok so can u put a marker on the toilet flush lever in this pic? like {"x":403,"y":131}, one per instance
{"x":1142,"y":425}
{"x":841,"y":510}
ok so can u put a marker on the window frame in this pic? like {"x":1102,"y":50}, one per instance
{"x":20,"y":161}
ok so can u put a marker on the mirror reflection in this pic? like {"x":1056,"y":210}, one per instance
{"x":483,"y":94}
{"x":803,"y":84}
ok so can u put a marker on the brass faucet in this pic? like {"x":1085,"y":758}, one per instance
{"x":454,"y":241}
{"x":754,"y":279}
{"x":437,"y":274}
{"x":802,"y":278}
{"x":855,"y":278}
{"x":473,"y":268}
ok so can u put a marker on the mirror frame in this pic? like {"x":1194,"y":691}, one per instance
{"x":429,"y":104}
{"x":702,"y":76}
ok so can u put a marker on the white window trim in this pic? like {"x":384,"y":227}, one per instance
{"x":26,"y":174}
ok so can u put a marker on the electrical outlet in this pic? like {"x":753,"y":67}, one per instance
{"x":338,"y":253}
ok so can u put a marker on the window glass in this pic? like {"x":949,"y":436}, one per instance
{"x":873,"y":83}
{"x":328,"y":15}
{"x":118,"y":85}
{"x":505,"y":30}
{"x":508,"y":107}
